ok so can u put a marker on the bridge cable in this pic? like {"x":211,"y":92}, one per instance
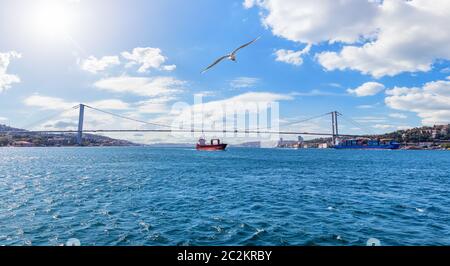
{"x":40,"y":121}
{"x":306,"y":120}
{"x":258,"y":130}
{"x":128,"y":118}
{"x":355,"y":123}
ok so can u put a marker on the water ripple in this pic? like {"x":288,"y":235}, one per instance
{"x":144,"y":196}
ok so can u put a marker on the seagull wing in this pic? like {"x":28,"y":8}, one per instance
{"x":215,"y":63}
{"x":247,"y":44}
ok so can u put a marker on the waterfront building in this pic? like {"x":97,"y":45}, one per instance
{"x":22,"y":143}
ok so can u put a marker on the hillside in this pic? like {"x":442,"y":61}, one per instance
{"x":4,"y":128}
{"x":427,"y":136}
{"x":437,"y":133}
{"x":54,"y":140}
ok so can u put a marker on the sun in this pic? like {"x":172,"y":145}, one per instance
{"x":51,"y":18}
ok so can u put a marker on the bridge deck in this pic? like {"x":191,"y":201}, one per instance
{"x":178,"y":131}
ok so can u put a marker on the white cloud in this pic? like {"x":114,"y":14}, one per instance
{"x":370,"y":119}
{"x":244,"y":82}
{"x":445,"y":70}
{"x":111,"y":104}
{"x":382,"y":126}
{"x":366,"y":106}
{"x":55,"y":103}
{"x":149,"y":107}
{"x":431,"y":102}
{"x":382,"y":37}
{"x":156,"y":86}
{"x":213,"y":112}
{"x":148,"y":58}
{"x":3,"y":119}
{"x":398,"y":115}
{"x":6,"y":80}
{"x":334,"y":84}
{"x":156,"y":105}
{"x":243,"y":99}
{"x":315,"y":21}
{"x":205,"y":93}
{"x":291,"y":57}
{"x":48,"y":103}
{"x":259,"y":97}
{"x":316,"y":92}
{"x":94,"y":65}
{"x":411,"y":36}
{"x":367,"y":89}
{"x":249,"y":3}
{"x":169,"y":67}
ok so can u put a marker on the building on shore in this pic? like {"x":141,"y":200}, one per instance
{"x":292,"y":144}
{"x":323,"y":146}
{"x":22,"y":143}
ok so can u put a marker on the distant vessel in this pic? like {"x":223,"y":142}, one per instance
{"x":215,"y":145}
{"x":363,"y":143}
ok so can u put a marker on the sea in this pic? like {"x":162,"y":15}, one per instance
{"x":133,"y":196}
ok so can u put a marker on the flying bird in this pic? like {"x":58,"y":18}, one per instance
{"x":231,"y":56}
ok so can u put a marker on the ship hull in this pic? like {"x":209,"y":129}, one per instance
{"x":216,"y":147}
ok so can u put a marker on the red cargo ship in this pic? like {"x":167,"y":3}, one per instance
{"x":214,"y":146}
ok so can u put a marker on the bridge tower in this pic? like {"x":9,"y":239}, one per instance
{"x":336,"y":113}
{"x":335,"y":128}
{"x":80,"y":125}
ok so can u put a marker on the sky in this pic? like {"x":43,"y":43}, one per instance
{"x":383,"y":64}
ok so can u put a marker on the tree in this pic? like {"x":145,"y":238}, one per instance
{"x":4,"y":141}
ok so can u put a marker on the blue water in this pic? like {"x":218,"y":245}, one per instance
{"x":149,"y":196}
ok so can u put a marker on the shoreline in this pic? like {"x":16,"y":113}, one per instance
{"x":193,"y":147}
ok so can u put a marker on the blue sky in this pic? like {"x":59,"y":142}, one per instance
{"x":380,"y":67}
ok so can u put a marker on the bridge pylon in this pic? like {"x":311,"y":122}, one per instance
{"x":80,"y":125}
{"x":335,"y":128}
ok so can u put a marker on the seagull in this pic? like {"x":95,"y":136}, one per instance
{"x":231,"y":56}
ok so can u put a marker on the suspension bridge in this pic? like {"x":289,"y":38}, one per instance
{"x":162,"y":128}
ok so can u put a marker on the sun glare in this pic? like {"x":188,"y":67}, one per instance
{"x":51,"y":18}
